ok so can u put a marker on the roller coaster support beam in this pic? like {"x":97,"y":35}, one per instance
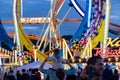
{"x":16,"y":31}
{"x":107,"y":20}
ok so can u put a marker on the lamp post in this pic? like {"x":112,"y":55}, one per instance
{"x":35,"y":52}
{"x":15,"y":54}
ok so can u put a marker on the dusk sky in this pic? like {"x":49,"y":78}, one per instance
{"x":40,"y":8}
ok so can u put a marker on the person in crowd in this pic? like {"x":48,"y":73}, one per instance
{"x":18,"y":75}
{"x":71,"y":77}
{"x":56,"y":59}
{"x":38,"y":73}
{"x":78,"y":71}
{"x":24,"y":75}
{"x":60,"y":73}
{"x":29,"y":72}
{"x":5,"y":76}
{"x":108,"y":72}
{"x":10,"y":76}
{"x":1,"y":74}
{"x":47,"y":77}
{"x":52,"y":72}
{"x":34,"y":76}
{"x":94,"y":68}
{"x":83,"y":75}
{"x":116,"y":75}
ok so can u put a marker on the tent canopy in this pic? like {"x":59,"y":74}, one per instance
{"x":33,"y":65}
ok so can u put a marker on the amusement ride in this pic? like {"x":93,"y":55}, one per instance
{"x":93,"y":30}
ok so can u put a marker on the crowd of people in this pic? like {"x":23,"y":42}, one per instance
{"x":95,"y":69}
{"x":31,"y":74}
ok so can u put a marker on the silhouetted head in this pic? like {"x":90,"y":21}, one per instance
{"x":96,"y":62}
{"x":60,"y":73}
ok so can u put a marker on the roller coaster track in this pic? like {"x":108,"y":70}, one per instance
{"x":92,"y":22}
{"x":100,"y":32}
{"x":22,"y":36}
{"x":72,"y":20}
{"x":26,"y":42}
{"x":81,"y":12}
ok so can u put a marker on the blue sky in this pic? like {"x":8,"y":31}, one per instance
{"x":40,"y":8}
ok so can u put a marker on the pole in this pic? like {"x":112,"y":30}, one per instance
{"x":16,"y":31}
{"x":15,"y":51}
{"x":107,"y":20}
{"x":22,"y":8}
{"x":35,"y":56}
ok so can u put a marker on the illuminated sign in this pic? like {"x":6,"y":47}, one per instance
{"x":113,"y":43}
{"x":108,"y":51}
{"x":35,"y":20}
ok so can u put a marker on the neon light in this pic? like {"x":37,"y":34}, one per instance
{"x":108,"y":52}
{"x":83,"y":41}
{"x":113,"y":43}
{"x":35,"y":20}
{"x":89,"y":13}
